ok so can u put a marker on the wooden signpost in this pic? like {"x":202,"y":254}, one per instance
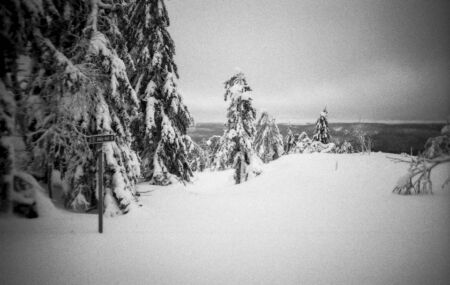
{"x":100,"y":139}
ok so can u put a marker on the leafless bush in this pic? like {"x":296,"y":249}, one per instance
{"x":418,"y":178}
{"x":363,"y":140}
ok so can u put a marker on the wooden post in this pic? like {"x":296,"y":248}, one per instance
{"x":49,"y":180}
{"x":94,"y":182}
{"x":100,"y":190}
{"x":100,"y":140}
{"x":49,"y":173}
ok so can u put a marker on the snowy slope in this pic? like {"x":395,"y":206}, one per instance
{"x":308,"y":219}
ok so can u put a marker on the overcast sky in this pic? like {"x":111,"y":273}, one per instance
{"x":369,"y":60}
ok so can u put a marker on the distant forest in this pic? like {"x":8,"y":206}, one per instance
{"x":392,"y":138}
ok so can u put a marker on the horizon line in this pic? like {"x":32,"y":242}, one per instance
{"x":343,"y":121}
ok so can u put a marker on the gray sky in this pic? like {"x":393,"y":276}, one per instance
{"x":374,"y":60}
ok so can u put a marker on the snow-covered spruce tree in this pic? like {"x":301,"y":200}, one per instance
{"x":212,"y":146}
{"x":160,"y":129}
{"x":268,"y":142}
{"x":321,"y":133}
{"x":236,"y":144}
{"x":289,"y":141}
{"x":222,"y":156}
{"x":115,"y":103}
{"x":196,"y":155}
{"x":302,"y":143}
{"x":78,"y":86}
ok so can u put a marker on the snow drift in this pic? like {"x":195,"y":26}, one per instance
{"x":307,"y":219}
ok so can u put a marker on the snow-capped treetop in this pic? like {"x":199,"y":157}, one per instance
{"x":241,"y":114}
{"x":265,"y":119}
{"x":321,"y":132}
{"x":237,"y":88}
{"x":324,"y":113}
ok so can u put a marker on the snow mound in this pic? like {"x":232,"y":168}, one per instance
{"x":44,"y":205}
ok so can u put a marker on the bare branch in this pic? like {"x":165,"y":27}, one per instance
{"x":418,"y":179}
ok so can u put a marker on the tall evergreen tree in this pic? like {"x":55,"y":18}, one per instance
{"x":160,"y":129}
{"x":236,"y":145}
{"x":322,"y":133}
{"x":77,"y":86}
{"x":268,"y":141}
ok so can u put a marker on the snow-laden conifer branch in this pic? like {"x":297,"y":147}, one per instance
{"x":103,"y":5}
{"x":73,"y":72}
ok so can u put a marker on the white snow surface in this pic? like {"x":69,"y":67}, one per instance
{"x":307,"y":219}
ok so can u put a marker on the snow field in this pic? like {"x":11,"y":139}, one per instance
{"x":307,"y":219}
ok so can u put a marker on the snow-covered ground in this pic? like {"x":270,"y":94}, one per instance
{"x":308,"y":219}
